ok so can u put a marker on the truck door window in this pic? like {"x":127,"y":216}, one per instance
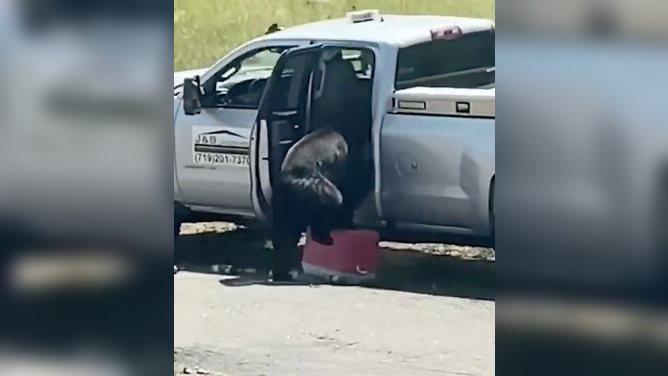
{"x":241,"y":83}
{"x":465,"y":62}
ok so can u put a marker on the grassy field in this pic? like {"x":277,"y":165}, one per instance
{"x":205,"y":30}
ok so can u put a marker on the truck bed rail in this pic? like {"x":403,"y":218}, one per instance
{"x":478,"y":103}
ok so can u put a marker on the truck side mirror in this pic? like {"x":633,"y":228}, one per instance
{"x":191,"y":97}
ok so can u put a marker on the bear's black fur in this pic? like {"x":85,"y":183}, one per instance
{"x":320,"y":185}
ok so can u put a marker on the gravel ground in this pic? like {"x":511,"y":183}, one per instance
{"x":430,"y":312}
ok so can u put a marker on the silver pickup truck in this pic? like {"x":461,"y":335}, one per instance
{"x":425,"y":84}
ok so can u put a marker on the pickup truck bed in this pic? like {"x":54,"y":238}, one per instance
{"x":437,"y":158}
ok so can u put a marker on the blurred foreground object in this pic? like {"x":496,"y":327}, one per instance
{"x":541,"y":336}
{"x":13,"y":364}
{"x":73,"y":272}
{"x":83,"y":161}
{"x":83,"y":138}
{"x":582,"y":146}
{"x":583,"y":142}
{"x":634,"y":20}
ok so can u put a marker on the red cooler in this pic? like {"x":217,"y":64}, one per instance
{"x":352,"y":258}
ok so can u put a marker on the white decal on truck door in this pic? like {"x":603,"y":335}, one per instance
{"x":220,"y":146}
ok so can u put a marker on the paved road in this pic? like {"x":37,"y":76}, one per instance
{"x":428,"y":314}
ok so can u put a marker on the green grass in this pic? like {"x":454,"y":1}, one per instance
{"x":206,"y":30}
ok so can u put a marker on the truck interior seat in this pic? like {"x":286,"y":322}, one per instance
{"x":341,"y":99}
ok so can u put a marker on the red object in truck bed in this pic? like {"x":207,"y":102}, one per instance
{"x":352,"y":258}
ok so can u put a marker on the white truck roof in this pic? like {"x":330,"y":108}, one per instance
{"x":445,"y":102}
{"x":395,"y":30}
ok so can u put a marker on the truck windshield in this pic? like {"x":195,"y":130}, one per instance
{"x":466,"y":62}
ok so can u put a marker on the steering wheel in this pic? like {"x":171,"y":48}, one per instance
{"x":253,"y":84}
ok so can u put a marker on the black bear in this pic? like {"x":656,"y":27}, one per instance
{"x":320,"y":186}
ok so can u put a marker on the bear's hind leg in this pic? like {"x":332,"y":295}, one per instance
{"x":287,"y":224}
{"x":285,"y":253}
{"x":322,"y":222}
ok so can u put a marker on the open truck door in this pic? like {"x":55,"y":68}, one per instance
{"x":281,"y":121}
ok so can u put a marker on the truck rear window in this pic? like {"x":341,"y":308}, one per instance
{"x":466,"y":62}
